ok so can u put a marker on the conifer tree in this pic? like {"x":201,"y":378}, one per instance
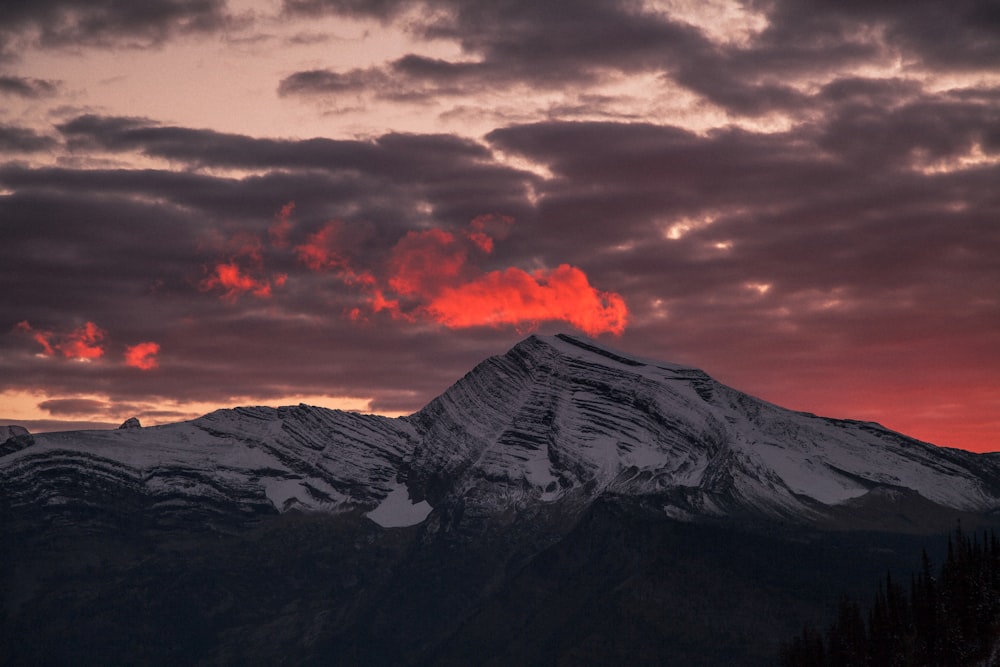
{"x":951,"y":619}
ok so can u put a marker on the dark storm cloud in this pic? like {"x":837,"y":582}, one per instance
{"x":27,"y":87}
{"x":962,"y":34}
{"x":874,"y":246}
{"x":129,"y":250}
{"x":558,"y":44}
{"x":634,"y":173}
{"x":383,"y":9}
{"x":132,"y":265}
{"x":73,"y":406}
{"x":398,"y":155}
{"x":811,"y":216}
{"x":397,"y":172}
{"x":927,"y":128}
{"x":424,"y":78}
{"x":66,"y":23}
{"x":548,"y":45}
{"x":23,"y":140}
{"x":555,"y":45}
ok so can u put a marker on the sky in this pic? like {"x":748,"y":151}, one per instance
{"x":350,"y":203}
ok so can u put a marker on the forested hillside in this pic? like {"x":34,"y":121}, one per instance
{"x":946,"y":616}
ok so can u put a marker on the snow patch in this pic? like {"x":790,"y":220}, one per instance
{"x":809,"y":475}
{"x":397,"y":510}
{"x":538,"y":471}
{"x":283,"y":492}
{"x":287,"y":493}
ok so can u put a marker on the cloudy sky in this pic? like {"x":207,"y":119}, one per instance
{"x":351,"y":202}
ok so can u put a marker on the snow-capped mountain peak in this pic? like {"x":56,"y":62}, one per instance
{"x":556,"y":421}
{"x":557,"y":414}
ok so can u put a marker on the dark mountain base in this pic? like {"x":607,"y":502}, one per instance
{"x":629,"y":587}
{"x":263,"y":596}
{"x":624,"y":586}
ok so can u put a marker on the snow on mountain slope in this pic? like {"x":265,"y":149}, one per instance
{"x":559,"y":416}
{"x":556,"y":422}
{"x":246,"y":460}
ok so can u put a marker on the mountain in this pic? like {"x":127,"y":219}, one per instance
{"x":556,"y":420}
{"x":560,"y":496}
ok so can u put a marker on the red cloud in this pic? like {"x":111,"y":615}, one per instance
{"x":43,"y":338}
{"x":423,"y":263}
{"x":484,"y":228}
{"x":143,"y":356}
{"x":429,"y":275}
{"x":82,"y":343}
{"x":234,"y":282}
{"x":515,"y":297}
{"x":323,"y":250}
{"x":243,"y":271}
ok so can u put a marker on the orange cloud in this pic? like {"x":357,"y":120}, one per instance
{"x":323,"y":249}
{"x":234,"y":281}
{"x":143,"y":356}
{"x":430,"y":275}
{"x":243,"y":272}
{"x":485,"y":228}
{"x":513,"y":296}
{"x":82,"y":343}
{"x":327,"y":250}
{"x":425,"y":262}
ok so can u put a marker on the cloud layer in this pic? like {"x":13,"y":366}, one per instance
{"x":799,"y":197}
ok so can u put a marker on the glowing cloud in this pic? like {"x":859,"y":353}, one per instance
{"x":233,"y":281}
{"x":143,"y":356}
{"x":323,"y":249}
{"x":430,"y":275}
{"x":426,"y":262}
{"x":81,"y":344}
{"x":243,"y":272}
{"x":484,"y":228}
{"x":515,"y":297}
{"x":43,"y":338}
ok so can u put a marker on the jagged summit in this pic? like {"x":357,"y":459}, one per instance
{"x":556,"y":422}
{"x":131,"y":422}
{"x":12,"y":431}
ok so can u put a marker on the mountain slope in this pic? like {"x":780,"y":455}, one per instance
{"x":230,"y":465}
{"x":560,"y":418}
{"x":555,"y":420}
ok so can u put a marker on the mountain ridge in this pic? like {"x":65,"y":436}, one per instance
{"x":556,"y":419}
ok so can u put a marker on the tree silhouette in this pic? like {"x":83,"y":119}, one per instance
{"x":949,"y":619}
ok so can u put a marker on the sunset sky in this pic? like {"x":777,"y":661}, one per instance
{"x":350,"y":203}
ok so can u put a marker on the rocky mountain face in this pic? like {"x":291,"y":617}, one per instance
{"x":560,"y":419}
{"x":560,"y":503}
